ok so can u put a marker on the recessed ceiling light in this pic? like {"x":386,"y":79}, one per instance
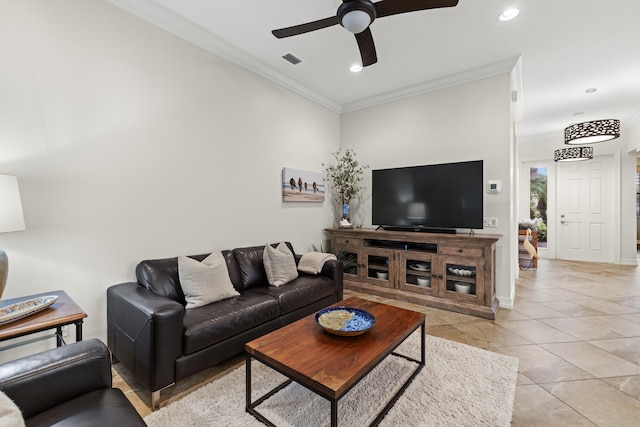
{"x":508,"y":15}
{"x":356,"y":68}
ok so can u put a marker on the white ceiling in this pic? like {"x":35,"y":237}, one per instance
{"x":565,"y":47}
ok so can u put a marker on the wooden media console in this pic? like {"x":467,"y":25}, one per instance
{"x":454,"y":272}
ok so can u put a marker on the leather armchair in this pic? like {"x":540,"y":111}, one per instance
{"x":69,"y":385}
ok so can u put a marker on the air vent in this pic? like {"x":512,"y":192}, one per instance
{"x":291,"y":58}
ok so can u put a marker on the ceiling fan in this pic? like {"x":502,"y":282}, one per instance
{"x":357,"y":15}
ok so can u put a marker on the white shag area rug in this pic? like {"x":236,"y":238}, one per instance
{"x":459,"y":386}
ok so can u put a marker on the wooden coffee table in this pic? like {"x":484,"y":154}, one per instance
{"x":327,"y":364}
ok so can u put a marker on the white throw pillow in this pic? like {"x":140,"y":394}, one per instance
{"x":279,"y":264}
{"x":205,"y":282}
{"x":10,"y":414}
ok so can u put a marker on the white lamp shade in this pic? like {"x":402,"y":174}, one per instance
{"x":11,"y":217}
{"x":356,"y":21}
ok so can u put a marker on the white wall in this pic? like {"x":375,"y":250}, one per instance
{"x":541,"y":148}
{"x":466,"y":122}
{"x":633,"y":147}
{"x":130,"y":143}
{"x":633,"y":134}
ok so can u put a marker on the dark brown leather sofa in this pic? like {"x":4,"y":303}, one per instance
{"x":68,"y":385}
{"x":160,"y":342}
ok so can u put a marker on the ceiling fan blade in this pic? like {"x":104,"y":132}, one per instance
{"x":305,"y":28}
{"x":367,"y":48}
{"x":394,"y":7}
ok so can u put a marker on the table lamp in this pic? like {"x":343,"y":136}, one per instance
{"x":11,"y":218}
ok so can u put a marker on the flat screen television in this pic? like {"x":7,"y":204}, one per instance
{"x":437,"y":198}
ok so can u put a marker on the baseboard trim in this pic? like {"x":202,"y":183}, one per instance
{"x":505,"y":303}
{"x":629,"y":261}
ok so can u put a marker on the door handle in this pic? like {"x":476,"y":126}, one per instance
{"x":562,"y":220}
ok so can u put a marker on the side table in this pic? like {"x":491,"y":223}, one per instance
{"x":63,"y":312}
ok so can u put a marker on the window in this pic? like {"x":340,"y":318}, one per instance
{"x":538,"y":201}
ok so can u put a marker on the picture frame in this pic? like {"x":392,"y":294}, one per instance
{"x":302,"y":186}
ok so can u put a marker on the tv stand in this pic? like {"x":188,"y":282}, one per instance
{"x":454,"y":272}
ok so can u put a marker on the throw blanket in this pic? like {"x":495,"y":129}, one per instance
{"x":312,"y":262}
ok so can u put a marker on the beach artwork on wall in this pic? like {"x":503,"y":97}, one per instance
{"x":302,"y":186}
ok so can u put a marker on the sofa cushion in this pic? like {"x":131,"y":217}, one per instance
{"x":251,"y":265}
{"x":160,"y":276}
{"x":279,"y":264}
{"x":205,"y":282}
{"x":210,"y":324}
{"x":304,"y":290}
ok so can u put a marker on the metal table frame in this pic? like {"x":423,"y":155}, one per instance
{"x":251,"y":406}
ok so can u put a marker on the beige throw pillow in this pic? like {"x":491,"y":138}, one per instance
{"x":10,"y":414}
{"x":279,"y":264}
{"x":205,"y":282}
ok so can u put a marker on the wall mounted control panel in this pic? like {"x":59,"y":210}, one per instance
{"x":494,"y":186}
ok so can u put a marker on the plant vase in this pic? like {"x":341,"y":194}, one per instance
{"x":345,"y":222}
{"x":344,"y":178}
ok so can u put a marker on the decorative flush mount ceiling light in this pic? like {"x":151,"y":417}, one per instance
{"x":509,"y":14}
{"x":592,"y":132}
{"x":573,"y":154}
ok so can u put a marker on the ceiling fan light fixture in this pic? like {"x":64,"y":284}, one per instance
{"x":356,"y":21}
{"x":356,"y":16}
{"x":592,"y":131}
{"x":573,"y":154}
{"x":355,"y":68}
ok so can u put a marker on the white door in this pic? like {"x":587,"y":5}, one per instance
{"x":585,"y":210}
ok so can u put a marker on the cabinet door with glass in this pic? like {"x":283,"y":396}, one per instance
{"x":379,"y":266}
{"x":463,"y":279}
{"x":349,"y":251}
{"x":418,"y":273}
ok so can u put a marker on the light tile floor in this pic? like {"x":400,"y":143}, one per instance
{"x":575,"y":328}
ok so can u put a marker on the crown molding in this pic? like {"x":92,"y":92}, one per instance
{"x":177,"y":25}
{"x":457,"y":79}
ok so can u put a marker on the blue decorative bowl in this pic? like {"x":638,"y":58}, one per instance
{"x":345,"y":321}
